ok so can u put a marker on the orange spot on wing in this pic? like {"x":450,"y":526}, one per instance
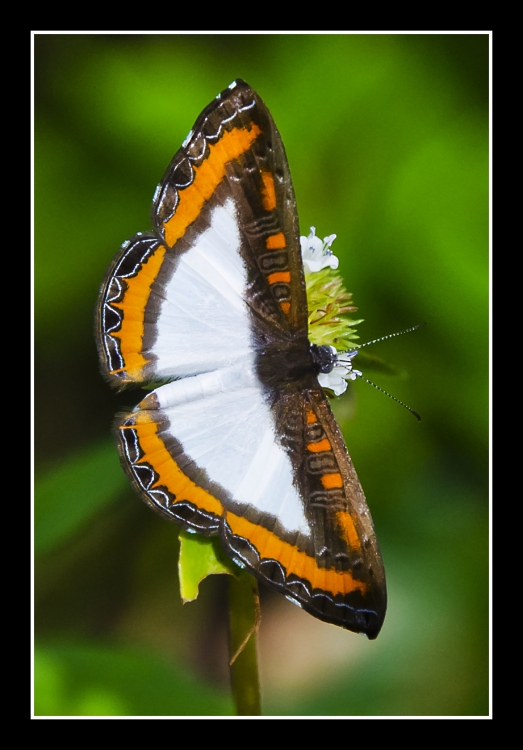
{"x":169,"y":473}
{"x":348,"y":529}
{"x":284,"y":276}
{"x":275,"y":241}
{"x":319,"y":447}
{"x":296,"y":562}
{"x":207,"y":177}
{"x":331,"y":481}
{"x":268,"y":192}
{"x":133,"y":307}
{"x":286,"y":307}
{"x":311,"y":417}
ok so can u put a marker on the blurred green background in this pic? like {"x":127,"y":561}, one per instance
{"x":387,"y":140}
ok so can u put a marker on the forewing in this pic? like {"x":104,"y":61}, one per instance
{"x":224,"y":254}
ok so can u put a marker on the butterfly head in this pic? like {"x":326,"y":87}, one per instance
{"x":334,"y":370}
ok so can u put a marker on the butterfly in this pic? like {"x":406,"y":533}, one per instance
{"x":239,"y":440}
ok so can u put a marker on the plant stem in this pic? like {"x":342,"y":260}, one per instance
{"x":244,"y":616}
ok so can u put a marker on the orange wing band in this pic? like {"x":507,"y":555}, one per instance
{"x":332,"y":481}
{"x":169,"y":473}
{"x":296,"y":562}
{"x":320,"y":446}
{"x":348,"y":530}
{"x":207,"y":177}
{"x":275,"y":241}
{"x":268,"y":192}
{"x":133,"y":307}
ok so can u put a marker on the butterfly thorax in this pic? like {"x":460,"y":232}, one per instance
{"x":295,"y":362}
{"x":284,"y":362}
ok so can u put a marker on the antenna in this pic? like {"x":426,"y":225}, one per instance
{"x":392,"y":397}
{"x":390,"y":336}
{"x":351,"y":352}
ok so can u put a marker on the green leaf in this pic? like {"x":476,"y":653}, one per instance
{"x":67,"y":498}
{"x":200,"y":557}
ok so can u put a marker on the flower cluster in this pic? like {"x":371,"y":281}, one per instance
{"x":328,"y":301}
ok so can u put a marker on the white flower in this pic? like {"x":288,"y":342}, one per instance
{"x":316,"y":254}
{"x":336,"y":379}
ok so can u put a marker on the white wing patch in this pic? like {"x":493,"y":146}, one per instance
{"x":217,"y":410}
{"x":203,"y":322}
{"x":224,"y":425}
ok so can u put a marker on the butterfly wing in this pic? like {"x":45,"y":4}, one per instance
{"x":173,"y":300}
{"x":273,"y":479}
{"x":242,"y":443}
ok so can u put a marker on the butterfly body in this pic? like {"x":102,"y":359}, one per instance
{"x":242,"y":442}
